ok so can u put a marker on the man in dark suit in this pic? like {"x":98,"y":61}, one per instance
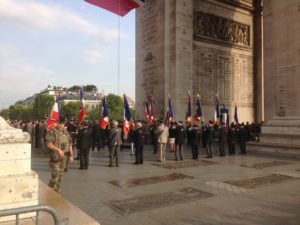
{"x":243,"y":137}
{"x":179,"y":141}
{"x":209,"y":139}
{"x":139,"y":141}
{"x":85,"y":139}
{"x":195,"y":141}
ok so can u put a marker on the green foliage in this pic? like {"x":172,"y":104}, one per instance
{"x":74,"y":88}
{"x":90,"y":87}
{"x":42,"y":106}
{"x":94,"y":114}
{"x":20,"y":112}
{"x":132,"y":112}
{"x":5,"y":114}
{"x":70,"y":110}
{"x":115,"y":107}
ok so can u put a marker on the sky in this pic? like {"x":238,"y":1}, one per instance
{"x":63,"y":43}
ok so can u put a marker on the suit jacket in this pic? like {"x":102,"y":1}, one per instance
{"x":195,"y":137}
{"x":180,"y":135}
{"x":162,"y":133}
{"x":139,"y":138}
{"x":85,"y":138}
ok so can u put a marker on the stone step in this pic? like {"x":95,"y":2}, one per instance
{"x":280,"y":150}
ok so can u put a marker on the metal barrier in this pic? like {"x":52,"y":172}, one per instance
{"x":37,"y":209}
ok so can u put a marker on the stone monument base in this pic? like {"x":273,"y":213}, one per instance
{"x":279,"y":136}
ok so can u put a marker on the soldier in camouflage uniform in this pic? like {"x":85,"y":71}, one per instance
{"x":59,"y":142}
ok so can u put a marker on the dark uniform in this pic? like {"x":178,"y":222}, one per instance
{"x":209,"y":140}
{"x":139,"y":141}
{"x":153,"y":137}
{"x":195,"y":141}
{"x":61,"y":140}
{"x":223,"y":140}
{"x":232,"y":139}
{"x":84,"y":144}
{"x":243,"y":137}
{"x":179,"y":141}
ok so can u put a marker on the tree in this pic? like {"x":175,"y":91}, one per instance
{"x":74,"y":88}
{"x":94,"y":114}
{"x":115,"y":107}
{"x":20,"y":112}
{"x":132,"y":112}
{"x":90,"y":87}
{"x":5,"y":114}
{"x":71,"y":109}
{"x":42,"y":106}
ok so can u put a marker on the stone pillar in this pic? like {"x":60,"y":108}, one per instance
{"x":281,"y":131}
{"x":18,"y":184}
{"x":258,"y":59}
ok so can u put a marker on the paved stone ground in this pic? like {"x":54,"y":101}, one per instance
{"x":269,"y":202}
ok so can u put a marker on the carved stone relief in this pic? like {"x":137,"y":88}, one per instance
{"x":214,"y":28}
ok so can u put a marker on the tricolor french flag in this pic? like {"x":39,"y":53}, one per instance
{"x":198,"y":112}
{"x":82,"y":112}
{"x":169,"y":115}
{"x":104,"y":114}
{"x":54,"y":116}
{"x":150,"y":110}
{"x":217,"y":111}
{"x":127,"y":116}
{"x":189,"y":110}
{"x":235,"y":117}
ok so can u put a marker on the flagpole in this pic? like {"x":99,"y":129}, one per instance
{"x":119,"y":49}
{"x":119,"y":53}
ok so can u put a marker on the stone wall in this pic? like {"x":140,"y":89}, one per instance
{"x":201,"y":46}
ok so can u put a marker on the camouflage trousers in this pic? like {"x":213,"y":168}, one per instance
{"x":57,"y":172}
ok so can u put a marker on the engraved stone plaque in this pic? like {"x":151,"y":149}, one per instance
{"x":266,"y":164}
{"x":154,"y":201}
{"x":149,"y":180}
{"x":184,"y":164}
{"x":228,"y":74}
{"x":260,"y":181}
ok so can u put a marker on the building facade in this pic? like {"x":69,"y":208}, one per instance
{"x":205,"y":47}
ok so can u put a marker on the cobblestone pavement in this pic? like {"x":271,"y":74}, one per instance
{"x":199,"y":193}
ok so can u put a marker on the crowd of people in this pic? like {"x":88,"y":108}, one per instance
{"x":66,"y":137}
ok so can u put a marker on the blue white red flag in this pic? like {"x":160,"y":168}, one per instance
{"x":146,"y":113}
{"x":225,"y":117}
{"x":198,"y":112}
{"x":119,"y":7}
{"x":150,"y":110}
{"x":169,"y":115}
{"x":54,"y":116}
{"x":189,"y":110}
{"x":227,"y":122}
{"x":82,"y":112}
{"x":235,"y":117}
{"x":104,"y":114}
{"x":127,"y":116}
{"x":217,"y":111}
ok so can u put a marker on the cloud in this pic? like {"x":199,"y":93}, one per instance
{"x":34,"y":16}
{"x":19,"y":78}
{"x":96,"y":53}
